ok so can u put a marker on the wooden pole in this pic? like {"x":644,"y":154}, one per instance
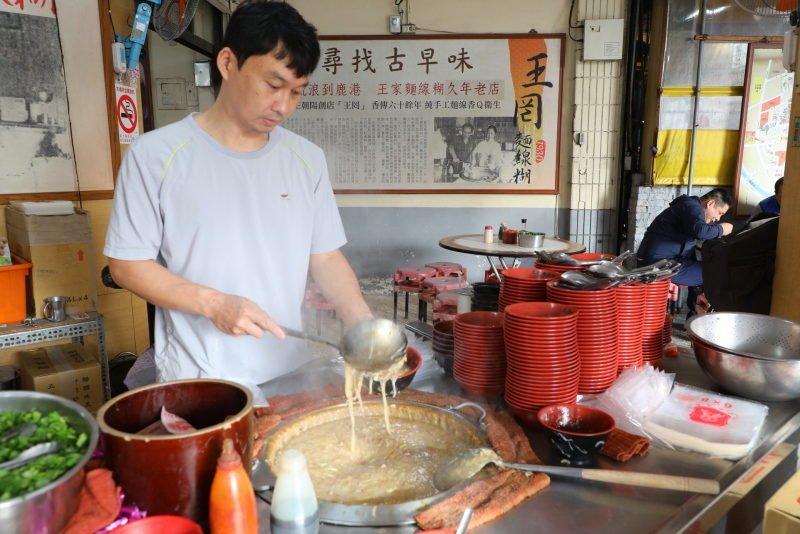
{"x":786,"y":286}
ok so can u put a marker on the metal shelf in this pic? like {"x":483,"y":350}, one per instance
{"x":43,"y":331}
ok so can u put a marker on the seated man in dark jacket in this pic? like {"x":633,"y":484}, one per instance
{"x":675,"y":231}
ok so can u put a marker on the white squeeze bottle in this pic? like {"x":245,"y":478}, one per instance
{"x":294,"y":507}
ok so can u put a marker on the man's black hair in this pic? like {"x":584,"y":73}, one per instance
{"x":719,"y":195}
{"x":259,"y":27}
{"x":778,"y":184}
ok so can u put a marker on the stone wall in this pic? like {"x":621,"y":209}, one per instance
{"x":647,"y":202}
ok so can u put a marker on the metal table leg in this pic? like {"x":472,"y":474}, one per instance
{"x":494,"y":269}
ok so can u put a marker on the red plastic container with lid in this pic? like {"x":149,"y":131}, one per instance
{"x":12,"y":288}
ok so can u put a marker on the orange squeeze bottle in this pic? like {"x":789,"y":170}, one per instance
{"x":232,"y":507}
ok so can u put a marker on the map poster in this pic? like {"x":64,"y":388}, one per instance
{"x":437,"y":114}
{"x":765,"y":126}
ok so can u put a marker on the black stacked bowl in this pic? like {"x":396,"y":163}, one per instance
{"x":484,"y":296}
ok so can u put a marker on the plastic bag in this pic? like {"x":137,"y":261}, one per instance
{"x":635,"y":395}
{"x":707,"y":422}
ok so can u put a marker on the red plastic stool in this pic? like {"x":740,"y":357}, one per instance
{"x":315,"y":300}
{"x":448,"y":268}
{"x":409,"y":279}
{"x":431,"y":287}
{"x":443,"y":316}
{"x":490,"y":277}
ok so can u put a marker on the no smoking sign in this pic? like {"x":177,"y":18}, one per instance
{"x":127,"y":114}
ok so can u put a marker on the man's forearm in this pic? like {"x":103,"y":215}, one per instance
{"x":157,"y":285}
{"x":338,"y":283}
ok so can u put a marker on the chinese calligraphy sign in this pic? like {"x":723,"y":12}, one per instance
{"x":437,"y":113}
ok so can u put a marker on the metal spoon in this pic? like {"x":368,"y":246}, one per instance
{"x":370,"y":345}
{"x":581,"y":280}
{"x":469,"y":463}
{"x":465,"y":519}
{"x":577,"y":279}
{"x":25,"y":429}
{"x":31,"y":453}
{"x":608,"y":269}
{"x":622,"y":257}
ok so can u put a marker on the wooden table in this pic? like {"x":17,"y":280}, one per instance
{"x":473,"y":244}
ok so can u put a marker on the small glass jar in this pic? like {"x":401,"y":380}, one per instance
{"x":488,"y":234}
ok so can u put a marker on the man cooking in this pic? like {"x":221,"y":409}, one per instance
{"x":675,"y":231}
{"x":219,"y":218}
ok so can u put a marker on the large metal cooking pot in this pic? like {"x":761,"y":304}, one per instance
{"x":49,"y":508}
{"x":448,"y":419}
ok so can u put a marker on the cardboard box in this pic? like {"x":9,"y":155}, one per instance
{"x":60,"y":249}
{"x":63,"y":370}
{"x":782,"y":511}
{"x":734,"y":506}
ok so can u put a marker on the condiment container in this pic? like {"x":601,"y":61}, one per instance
{"x":488,"y":235}
{"x":294,"y":507}
{"x":232,"y":505}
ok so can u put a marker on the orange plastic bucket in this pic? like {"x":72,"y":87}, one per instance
{"x":12,"y":290}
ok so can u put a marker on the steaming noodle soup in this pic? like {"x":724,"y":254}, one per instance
{"x":390,"y":452}
{"x":353,"y":378}
{"x":386,"y":467}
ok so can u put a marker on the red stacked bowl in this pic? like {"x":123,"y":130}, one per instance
{"x":543,"y":365}
{"x":655,"y":308}
{"x":524,"y":284}
{"x":630,"y":317}
{"x":444,"y":345}
{"x":597,"y":334}
{"x":584,"y":256}
{"x":480,"y":357}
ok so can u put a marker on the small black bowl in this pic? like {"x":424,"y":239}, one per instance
{"x":445,"y":361}
{"x":577,"y":431}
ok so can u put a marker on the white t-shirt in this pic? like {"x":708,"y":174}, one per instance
{"x":487,"y":154}
{"x":242,"y":223}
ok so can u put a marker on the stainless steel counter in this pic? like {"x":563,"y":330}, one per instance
{"x":571,"y":505}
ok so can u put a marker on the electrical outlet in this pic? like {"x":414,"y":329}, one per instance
{"x":394,"y":24}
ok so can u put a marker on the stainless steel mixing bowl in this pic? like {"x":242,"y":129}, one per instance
{"x":48,"y":508}
{"x":755,"y":356}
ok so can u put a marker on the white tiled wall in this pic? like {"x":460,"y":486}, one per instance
{"x":599,"y":94}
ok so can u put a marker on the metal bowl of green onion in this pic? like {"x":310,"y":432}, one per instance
{"x":41,"y":495}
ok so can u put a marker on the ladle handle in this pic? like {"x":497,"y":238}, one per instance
{"x":650,"y":480}
{"x":645,"y":480}
{"x":310,"y":337}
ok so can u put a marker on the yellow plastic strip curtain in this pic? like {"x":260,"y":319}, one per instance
{"x":715,"y":159}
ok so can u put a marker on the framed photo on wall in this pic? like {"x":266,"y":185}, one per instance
{"x":437,"y":113}
{"x":764,"y":127}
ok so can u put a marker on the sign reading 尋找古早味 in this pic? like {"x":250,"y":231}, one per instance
{"x":437,"y":113}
